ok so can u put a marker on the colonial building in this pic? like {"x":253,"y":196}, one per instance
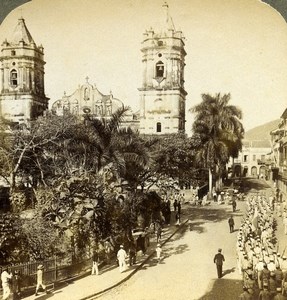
{"x":22,"y":94}
{"x":254,"y":160}
{"x":88,"y":100}
{"x":279,"y":152}
{"x":162,"y":94}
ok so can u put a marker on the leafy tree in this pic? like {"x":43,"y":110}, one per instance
{"x":218,"y":127}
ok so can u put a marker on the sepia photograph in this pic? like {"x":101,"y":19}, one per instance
{"x":143,"y":149}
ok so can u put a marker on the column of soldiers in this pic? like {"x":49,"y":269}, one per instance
{"x":263,"y":268}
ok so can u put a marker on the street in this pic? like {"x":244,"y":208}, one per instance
{"x":187,"y":270}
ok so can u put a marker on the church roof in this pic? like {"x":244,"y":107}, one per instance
{"x":21,"y":33}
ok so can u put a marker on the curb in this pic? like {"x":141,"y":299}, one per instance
{"x":136,"y":269}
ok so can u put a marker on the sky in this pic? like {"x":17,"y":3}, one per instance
{"x":233,"y":46}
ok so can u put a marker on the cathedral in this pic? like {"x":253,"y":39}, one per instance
{"x":162,"y":94}
{"x":22,"y":94}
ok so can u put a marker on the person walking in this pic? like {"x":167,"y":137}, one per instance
{"x":231,"y":224}
{"x":40,"y":275}
{"x":121,"y":256}
{"x":95,"y":263}
{"x":6,"y":279}
{"x":218,"y":260}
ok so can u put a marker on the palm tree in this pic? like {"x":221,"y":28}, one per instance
{"x":218,"y":127}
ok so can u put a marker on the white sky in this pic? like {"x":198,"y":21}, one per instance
{"x":233,"y":46}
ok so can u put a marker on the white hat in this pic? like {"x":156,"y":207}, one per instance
{"x":40,"y":267}
{"x":121,"y":246}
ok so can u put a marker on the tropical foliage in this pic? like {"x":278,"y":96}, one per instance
{"x":218,"y":128}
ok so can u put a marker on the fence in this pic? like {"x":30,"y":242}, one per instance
{"x":54,"y":271}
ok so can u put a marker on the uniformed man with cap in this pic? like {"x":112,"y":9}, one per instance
{"x":218,"y":260}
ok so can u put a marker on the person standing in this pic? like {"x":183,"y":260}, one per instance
{"x":175,"y":205}
{"x":6,"y":279}
{"x":158,"y":233}
{"x":234,"y":204}
{"x":40,"y":274}
{"x":132,"y":254}
{"x":121,"y":256}
{"x":218,"y":260}
{"x":231,"y":224}
{"x":95,"y":263}
{"x":16,"y":287}
{"x":158,"y":252}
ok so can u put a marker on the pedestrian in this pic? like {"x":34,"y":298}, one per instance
{"x":132,"y":254}
{"x":218,"y":260}
{"x":95,"y":263}
{"x":121,"y":256}
{"x":158,"y":252}
{"x":179,"y":207}
{"x":231,"y":224}
{"x":6,"y":281}
{"x":16,"y":287}
{"x":234,"y":204}
{"x":158,"y":233}
{"x":175,"y":205}
{"x":40,"y":275}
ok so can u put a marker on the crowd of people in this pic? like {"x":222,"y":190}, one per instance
{"x":261,"y":262}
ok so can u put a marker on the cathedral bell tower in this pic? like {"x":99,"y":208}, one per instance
{"x":22,"y":95}
{"x":162,"y":94}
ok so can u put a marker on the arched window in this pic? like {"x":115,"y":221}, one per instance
{"x":13,"y":78}
{"x":158,"y":127}
{"x":159,"y":69}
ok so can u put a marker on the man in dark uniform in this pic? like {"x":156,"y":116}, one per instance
{"x":231,"y":224}
{"x":218,"y":260}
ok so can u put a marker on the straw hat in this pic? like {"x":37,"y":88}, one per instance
{"x":40,"y":267}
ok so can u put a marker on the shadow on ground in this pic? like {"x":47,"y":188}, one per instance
{"x":224,"y":289}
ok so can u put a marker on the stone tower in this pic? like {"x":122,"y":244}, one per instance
{"x":162,"y":94}
{"x":22,"y":95}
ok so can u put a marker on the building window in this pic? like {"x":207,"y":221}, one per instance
{"x":254,"y":157}
{"x":13,"y":78}
{"x":13,"y":52}
{"x":159,"y":69}
{"x":245,"y":158}
{"x":158,"y":127}
{"x":160,"y":43}
{"x":262,"y":158}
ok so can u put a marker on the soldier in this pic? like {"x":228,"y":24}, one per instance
{"x":218,"y":260}
{"x":264,"y":294}
{"x":245,"y":295}
{"x":231,"y":224}
{"x":279,"y":295}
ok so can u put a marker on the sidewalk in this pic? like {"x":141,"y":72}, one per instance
{"x":109,"y":277}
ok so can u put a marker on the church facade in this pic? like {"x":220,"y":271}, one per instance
{"x":162,"y":94}
{"x":87,"y":100}
{"x":22,"y":93}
